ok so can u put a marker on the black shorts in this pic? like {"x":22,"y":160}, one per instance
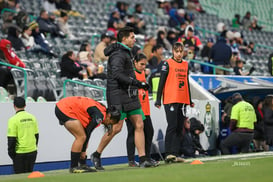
{"x":61,"y":116}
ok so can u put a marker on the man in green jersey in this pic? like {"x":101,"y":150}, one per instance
{"x":242,"y":121}
{"x":22,"y":138}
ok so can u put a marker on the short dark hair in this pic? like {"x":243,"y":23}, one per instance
{"x":63,"y":14}
{"x":114,"y":112}
{"x":124,"y":32}
{"x":140,"y":56}
{"x":177,"y":45}
{"x":19,"y":102}
{"x":156,"y":47}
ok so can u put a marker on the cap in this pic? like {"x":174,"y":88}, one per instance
{"x":19,"y":102}
{"x":181,"y":11}
{"x":190,"y":29}
{"x":107,"y":34}
{"x":33,"y":25}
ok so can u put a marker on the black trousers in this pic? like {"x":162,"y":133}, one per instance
{"x":23,"y":163}
{"x":148,"y":133}
{"x":237,"y":139}
{"x":175,"y":120}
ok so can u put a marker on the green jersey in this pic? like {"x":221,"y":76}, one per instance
{"x":23,"y":126}
{"x":245,"y":115}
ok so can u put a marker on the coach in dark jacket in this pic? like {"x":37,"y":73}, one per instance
{"x":122,"y":92}
{"x":120,"y":78}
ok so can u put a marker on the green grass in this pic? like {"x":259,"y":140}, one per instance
{"x":246,"y":170}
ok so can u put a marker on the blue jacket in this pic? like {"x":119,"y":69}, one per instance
{"x":221,"y":53}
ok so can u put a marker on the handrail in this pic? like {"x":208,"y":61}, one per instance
{"x":7,"y":9}
{"x":93,"y":39}
{"x":264,"y":46}
{"x":211,"y":65}
{"x":25,"y":75}
{"x":84,"y":84}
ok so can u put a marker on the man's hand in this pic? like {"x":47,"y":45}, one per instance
{"x":144,"y":85}
{"x":158,"y":104}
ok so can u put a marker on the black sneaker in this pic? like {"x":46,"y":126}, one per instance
{"x":133,"y":164}
{"x":80,"y":170}
{"x":154,"y":162}
{"x":85,"y":166}
{"x":96,"y":162}
{"x":146,"y":164}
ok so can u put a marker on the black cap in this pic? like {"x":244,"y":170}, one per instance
{"x":19,"y":102}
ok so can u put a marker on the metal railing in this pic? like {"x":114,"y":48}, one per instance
{"x":84,"y":84}
{"x":25,"y":75}
{"x":214,"y":67}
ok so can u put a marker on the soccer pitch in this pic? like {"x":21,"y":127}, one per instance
{"x":246,"y":168}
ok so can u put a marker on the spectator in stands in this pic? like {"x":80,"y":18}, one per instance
{"x":221,"y":54}
{"x":268,"y":120}
{"x":246,"y":22}
{"x":254,"y":25}
{"x":235,"y":53}
{"x":250,"y":48}
{"x":23,"y":136}
{"x":99,"y":56}
{"x":259,"y":138}
{"x":138,"y":26}
{"x":115,"y":23}
{"x":148,"y":46}
{"x":29,"y":41}
{"x":139,"y":16}
{"x":161,"y":11}
{"x":236,"y":22}
{"x":161,"y":39}
{"x":270,"y":64}
{"x":7,"y":18}
{"x":171,"y":36}
{"x":190,"y":146}
{"x":177,"y":16}
{"x":85,"y":58}
{"x":63,"y":25}
{"x":8,"y":55}
{"x":195,"y":5}
{"x":48,"y":27}
{"x":50,"y":5}
{"x":155,"y":62}
{"x":66,"y":6}
{"x":70,"y":68}
{"x":40,"y":39}
{"x":206,"y":50}
{"x":13,"y":37}
{"x":22,"y":19}
{"x":242,"y":121}
{"x":191,"y":41}
{"x":238,"y":69}
{"x":122,"y":8}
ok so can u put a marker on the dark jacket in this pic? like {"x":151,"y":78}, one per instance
{"x":268,"y":125}
{"x":16,"y":42}
{"x":121,"y":78}
{"x":221,"y":53}
{"x":69,"y":69}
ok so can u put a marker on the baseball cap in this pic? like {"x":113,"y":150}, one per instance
{"x":19,"y":102}
{"x":108,"y":34}
{"x":210,"y":40}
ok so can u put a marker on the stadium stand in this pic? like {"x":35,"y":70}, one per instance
{"x":44,"y":78}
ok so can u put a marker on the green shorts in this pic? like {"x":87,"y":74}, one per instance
{"x":130,"y":113}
